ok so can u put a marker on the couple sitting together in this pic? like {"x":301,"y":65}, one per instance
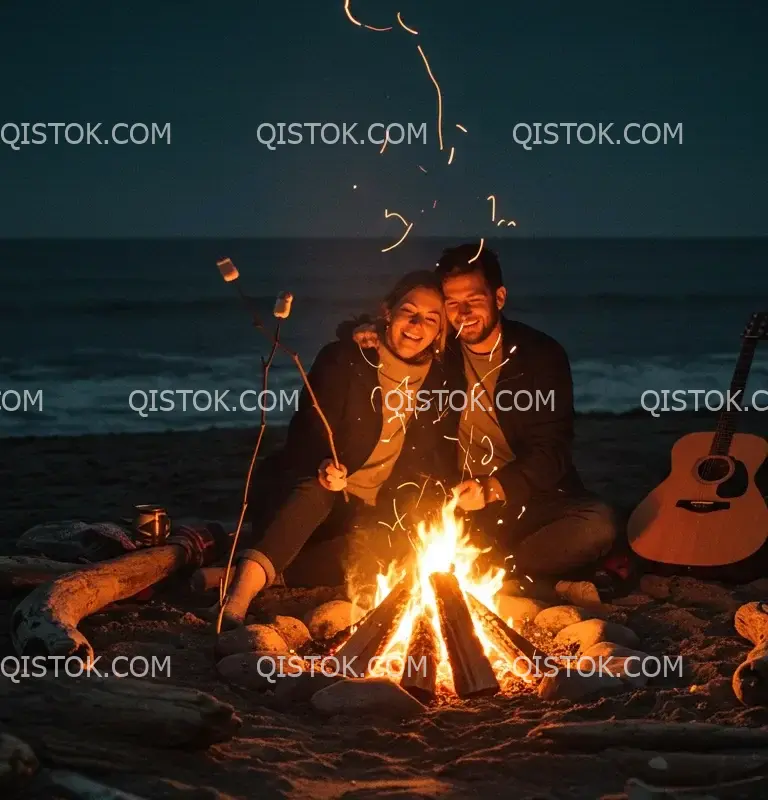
{"x":440,"y":336}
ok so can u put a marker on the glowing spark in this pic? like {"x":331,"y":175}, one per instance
{"x":410,"y":30}
{"x":407,"y":230}
{"x":373,"y":392}
{"x":451,"y":438}
{"x":466,"y":466}
{"x":398,"y":518}
{"x":490,"y":455}
{"x":422,"y":169}
{"x":409,"y":483}
{"x":422,"y":492}
{"x":529,"y":578}
{"x":512,"y":349}
{"x":494,"y":347}
{"x":479,"y":250}
{"x":500,"y":222}
{"x":349,"y":14}
{"x":450,"y":158}
{"x":501,"y":522}
{"x":439,"y":98}
{"x":385,"y":142}
{"x":507,"y":557}
{"x":512,"y":222}
{"x":490,"y":371}
{"x":434,"y":204}
{"x":492,"y":198}
{"x":371,"y":28}
{"x":375,"y":366}
{"x":492,"y":471}
{"x":521,"y":513}
{"x":461,"y":328}
{"x":461,"y":127}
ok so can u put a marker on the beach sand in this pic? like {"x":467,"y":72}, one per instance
{"x":460,"y":749}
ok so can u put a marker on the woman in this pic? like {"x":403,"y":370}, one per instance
{"x":305,"y":510}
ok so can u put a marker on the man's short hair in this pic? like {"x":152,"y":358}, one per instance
{"x":458,"y":261}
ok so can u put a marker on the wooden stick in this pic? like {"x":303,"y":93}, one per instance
{"x":107,"y":709}
{"x":420,"y":670}
{"x":227,"y":577}
{"x":750,"y":680}
{"x":507,"y":641}
{"x":372,"y":635}
{"x":45,"y":622}
{"x":473,"y":674}
{"x":698,"y":737}
{"x":207,"y":578}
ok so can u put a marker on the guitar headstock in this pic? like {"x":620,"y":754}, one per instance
{"x":757,"y":327}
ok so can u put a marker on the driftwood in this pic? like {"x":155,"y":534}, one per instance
{"x":27,"y":572}
{"x":473,"y":675}
{"x":45,"y":622}
{"x":420,"y":670}
{"x":367,"y":643}
{"x":750,"y":681}
{"x":507,"y":641}
{"x":18,"y":762}
{"x":115,"y":709}
{"x":693,"y":737}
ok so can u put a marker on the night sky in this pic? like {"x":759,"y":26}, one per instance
{"x":216,"y":71}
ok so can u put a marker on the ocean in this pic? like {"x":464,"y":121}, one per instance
{"x":90,"y":328}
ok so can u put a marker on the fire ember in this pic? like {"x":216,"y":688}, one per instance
{"x":434,"y":628}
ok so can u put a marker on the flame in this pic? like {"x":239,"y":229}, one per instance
{"x":441,"y":545}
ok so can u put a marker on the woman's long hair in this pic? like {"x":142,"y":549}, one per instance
{"x":419,"y":279}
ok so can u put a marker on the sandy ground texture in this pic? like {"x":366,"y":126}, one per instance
{"x":459,"y":749}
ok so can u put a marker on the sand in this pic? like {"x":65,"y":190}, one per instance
{"x":459,"y":749}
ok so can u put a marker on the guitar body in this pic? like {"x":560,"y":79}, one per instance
{"x":708,"y":512}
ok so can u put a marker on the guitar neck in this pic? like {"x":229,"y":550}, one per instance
{"x":726,"y":424}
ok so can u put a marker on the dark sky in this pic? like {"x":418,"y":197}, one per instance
{"x":216,"y":71}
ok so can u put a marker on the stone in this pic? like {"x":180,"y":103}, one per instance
{"x":578,"y":593}
{"x":329,"y":618}
{"x":301,"y":688}
{"x":618,"y":660}
{"x":656,"y":586}
{"x":592,"y":631}
{"x":359,"y":696}
{"x":517,"y":610}
{"x":569,"y":684}
{"x":294,"y":632}
{"x":554,"y":619}
{"x":260,"y":671}
{"x":250,"y":638}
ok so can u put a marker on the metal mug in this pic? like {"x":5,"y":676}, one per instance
{"x":152,"y":524}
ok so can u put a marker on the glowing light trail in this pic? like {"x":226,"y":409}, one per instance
{"x":410,"y":30}
{"x":439,"y":97}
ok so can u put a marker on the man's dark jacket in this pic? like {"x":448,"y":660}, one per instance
{"x":538,"y":374}
{"x":344,"y":379}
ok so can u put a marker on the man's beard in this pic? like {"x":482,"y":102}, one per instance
{"x":481,"y":334}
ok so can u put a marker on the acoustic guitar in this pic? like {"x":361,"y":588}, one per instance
{"x":708,"y":512}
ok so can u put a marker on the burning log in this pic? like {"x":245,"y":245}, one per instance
{"x":375,"y":630}
{"x":506,"y":640}
{"x":45,"y":622}
{"x":473,"y":674}
{"x":750,"y":681}
{"x":420,"y":670}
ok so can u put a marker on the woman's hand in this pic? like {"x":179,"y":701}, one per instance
{"x":331,"y":477}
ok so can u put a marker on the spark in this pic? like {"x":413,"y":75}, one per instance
{"x":398,"y":518}
{"x":479,"y":250}
{"x":491,"y":473}
{"x":422,"y":169}
{"x":492,"y":198}
{"x":354,"y":186}
{"x":349,"y":14}
{"x":410,"y":30}
{"x":512,"y":349}
{"x":434,"y":204}
{"x":490,"y":455}
{"x":529,"y":578}
{"x":385,"y":142}
{"x":507,"y":557}
{"x":501,"y":522}
{"x":409,"y":225}
{"x":482,"y":380}
{"x":422,"y":491}
{"x":439,"y":97}
{"x":373,"y":392}
{"x":450,"y":158}
{"x":500,"y":222}
{"x":461,"y":328}
{"x":466,"y":455}
{"x":451,"y":438}
{"x":521,"y":513}
{"x":512,"y":222}
{"x":375,"y":366}
{"x":461,"y":127}
{"x":440,"y":484}
{"x":490,"y":356}
{"x":371,"y":28}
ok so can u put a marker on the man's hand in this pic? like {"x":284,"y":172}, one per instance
{"x":365,"y":336}
{"x":331,"y":477}
{"x":475,"y":494}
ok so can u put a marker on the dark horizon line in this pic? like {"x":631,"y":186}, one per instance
{"x":284,"y":238}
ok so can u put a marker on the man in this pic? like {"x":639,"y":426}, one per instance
{"x":519,"y":484}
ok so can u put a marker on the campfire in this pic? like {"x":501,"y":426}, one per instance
{"x":434,"y":627}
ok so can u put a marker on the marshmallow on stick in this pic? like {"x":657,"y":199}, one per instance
{"x":228,"y":270}
{"x":282,"y":309}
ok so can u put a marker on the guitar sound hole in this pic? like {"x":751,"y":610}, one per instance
{"x":714,"y":469}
